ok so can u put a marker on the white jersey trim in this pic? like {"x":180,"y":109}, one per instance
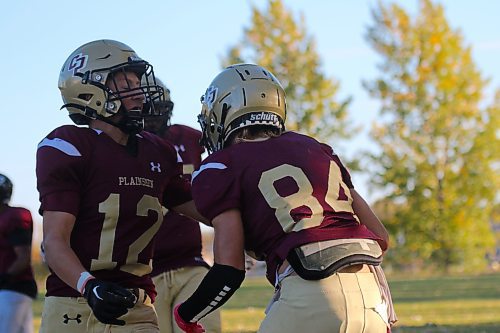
{"x":219,"y":166}
{"x":61,"y":145}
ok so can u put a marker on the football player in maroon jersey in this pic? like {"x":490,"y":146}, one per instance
{"x":178,"y":266}
{"x":290,"y":201}
{"x":102,"y":187}
{"x":17,"y":283}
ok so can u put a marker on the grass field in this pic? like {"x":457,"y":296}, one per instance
{"x":456,"y":304}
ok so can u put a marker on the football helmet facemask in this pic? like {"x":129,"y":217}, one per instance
{"x":241,"y":95}
{"x":5,"y":189}
{"x":86,"y":72}
{"x":157,"y":122}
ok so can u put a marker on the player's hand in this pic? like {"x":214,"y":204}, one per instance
{"x":108,"y":301}
{"x":187,"y":326}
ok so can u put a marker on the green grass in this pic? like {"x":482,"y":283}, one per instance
{"x":37,"y":312}
{"x":448,"y":304}
{"x":456,"y":304}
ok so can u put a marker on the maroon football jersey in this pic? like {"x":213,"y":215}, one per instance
{"x":178,"y":242}
{"x":116,"y":197}
{"x":16,"y":229}
{"x":291,"y":190}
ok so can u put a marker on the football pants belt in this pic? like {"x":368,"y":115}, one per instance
{"x":315,"y":261}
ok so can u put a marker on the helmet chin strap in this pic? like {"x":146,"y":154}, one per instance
{"x":164,"y":127}
{"x":131,"y":122}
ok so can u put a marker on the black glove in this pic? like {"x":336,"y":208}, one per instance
{"x":4,"y":278}
{"x":108,"y":301}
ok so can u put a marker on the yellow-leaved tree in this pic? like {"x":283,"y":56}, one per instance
{"x":439,"y":156}
{"x":279,"y":42}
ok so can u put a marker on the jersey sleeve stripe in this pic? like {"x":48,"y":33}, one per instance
{"x":219,"y":166}
{"x":61,"y":145}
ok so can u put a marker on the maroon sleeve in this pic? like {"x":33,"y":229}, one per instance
{"x":215,"y":189}
{"x":22,"y":228}
{"x":59,"y":164}
{"x":178,"y":191}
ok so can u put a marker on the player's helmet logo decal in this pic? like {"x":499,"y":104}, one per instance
{"x":210,"y":96}
{"x":78,"y":62}
{"x":67,"y":318}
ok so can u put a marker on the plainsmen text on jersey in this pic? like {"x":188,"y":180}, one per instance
{"x":282,"y":205}
{"x":178,"y":242}
{"x":115,"y":196}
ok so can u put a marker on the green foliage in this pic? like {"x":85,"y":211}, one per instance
{"x":437,"y":160}
{"x":279,"y":42}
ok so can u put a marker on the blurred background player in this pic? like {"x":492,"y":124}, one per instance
{"x":288,"y":200}
{"x":102,"y":186}
{"x":17,"y":284}
{"x":178,"y":265}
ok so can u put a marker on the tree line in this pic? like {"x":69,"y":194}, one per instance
{"x":437,"y":164}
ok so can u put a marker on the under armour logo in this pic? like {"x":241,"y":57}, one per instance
{"x":155,"y":167}
{"x":180,"y":148}
{"x":67,"y":319}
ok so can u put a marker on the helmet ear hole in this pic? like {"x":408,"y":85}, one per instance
{"x":85,"y":97}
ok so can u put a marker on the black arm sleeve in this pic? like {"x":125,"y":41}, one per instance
{"x":217,"y":287}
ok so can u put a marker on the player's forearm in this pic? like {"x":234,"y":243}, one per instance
{"x":227,"y":273}
{"x":189,"y":209}
{"x":215,"y":289}
{"x":63,"y":261}
{"x":57,"y":228}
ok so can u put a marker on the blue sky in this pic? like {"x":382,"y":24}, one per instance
{"x":185,"y":41}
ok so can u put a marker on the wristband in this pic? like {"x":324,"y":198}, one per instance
{"x":82,"y":281}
